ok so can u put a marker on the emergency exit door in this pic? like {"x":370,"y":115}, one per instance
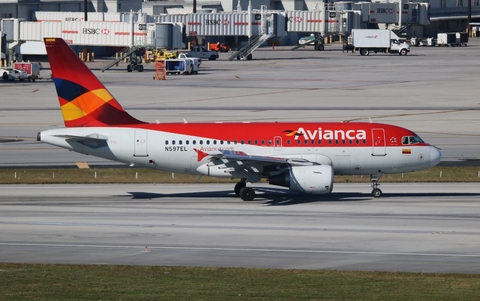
{"x":140,"y":148}
{"x":379,"y":143}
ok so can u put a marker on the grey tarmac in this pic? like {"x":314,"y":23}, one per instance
{"x":414,"y":227}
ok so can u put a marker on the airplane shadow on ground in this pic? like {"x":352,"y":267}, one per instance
{"x":282,"y":197}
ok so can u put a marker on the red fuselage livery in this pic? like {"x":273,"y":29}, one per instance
{"x":303,"y":156}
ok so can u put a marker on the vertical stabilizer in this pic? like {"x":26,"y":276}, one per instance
{"x":84,"y":101}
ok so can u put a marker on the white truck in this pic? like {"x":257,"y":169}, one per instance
{"x":378,"y":40}
{"x":203,"y":53}
{"x":184,"y":64}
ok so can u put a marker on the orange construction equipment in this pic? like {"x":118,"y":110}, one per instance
{"x":160,"y":73}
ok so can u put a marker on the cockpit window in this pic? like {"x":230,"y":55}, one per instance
{"x":411,"y":140}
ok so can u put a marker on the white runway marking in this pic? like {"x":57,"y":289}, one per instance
{"x":235,"y":250}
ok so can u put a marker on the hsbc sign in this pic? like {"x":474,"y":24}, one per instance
{"x":381,"y":10}
{"x":97,"y":31}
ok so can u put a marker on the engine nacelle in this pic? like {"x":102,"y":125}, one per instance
{"x":314,"y":179}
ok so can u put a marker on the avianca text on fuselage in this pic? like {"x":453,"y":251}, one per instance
{"x":324,"y":134}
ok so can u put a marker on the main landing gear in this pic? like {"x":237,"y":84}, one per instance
{"x":376,"y":192}
{"x":244,"y":192}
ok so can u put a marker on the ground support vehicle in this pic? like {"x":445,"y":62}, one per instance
{"x":8,"y":73}
{"x":196,"y":60}
{"x":378,"y":40}
{"x":219,"y":47}
{"x":414,"y":41}
{"x":312,"y":40}
{"x":203,"y":53}
{"x":181,"y":66}
{"x":31,"y":69}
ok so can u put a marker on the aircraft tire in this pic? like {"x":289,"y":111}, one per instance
{"x":376,"y":192}
{"x":247,"y":194}
{"x":238,"y":187}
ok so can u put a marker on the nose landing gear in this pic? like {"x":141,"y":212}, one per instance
{"x":376,"y":192}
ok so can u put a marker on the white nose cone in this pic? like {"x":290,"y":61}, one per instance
{"x":435,"y":156}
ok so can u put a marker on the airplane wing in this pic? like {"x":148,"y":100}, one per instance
{"x":241,"y":156}
{"x":228,"y":155}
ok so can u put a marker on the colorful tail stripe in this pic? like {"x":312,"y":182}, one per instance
{"x":84,"y":101}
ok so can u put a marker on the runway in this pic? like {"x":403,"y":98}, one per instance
{"x":414,"y":227}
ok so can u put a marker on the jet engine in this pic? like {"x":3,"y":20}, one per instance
{"x":313,"y":179}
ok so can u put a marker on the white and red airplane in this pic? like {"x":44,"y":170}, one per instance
{"x":303,"y":156}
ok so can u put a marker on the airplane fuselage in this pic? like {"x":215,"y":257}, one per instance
{"x":362,"y":148}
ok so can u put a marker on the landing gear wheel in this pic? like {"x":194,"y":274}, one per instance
{"x":376,"y":192}
{"x":239,"y":186}
{"x":140,"y":68}
{"x":247,"y":194}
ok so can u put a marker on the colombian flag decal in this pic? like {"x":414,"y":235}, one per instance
{"x":406,"y":151}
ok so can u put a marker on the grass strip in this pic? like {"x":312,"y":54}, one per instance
{"x":139,"y":175}
{"x":100,"y":282}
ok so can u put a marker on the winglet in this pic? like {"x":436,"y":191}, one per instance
{"x":84,"y":100}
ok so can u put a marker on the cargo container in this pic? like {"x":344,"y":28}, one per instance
{"x":32,"y":69}
{"x":446,"y":39}
{"x":461,"y":38}
{"x":377,"y":40}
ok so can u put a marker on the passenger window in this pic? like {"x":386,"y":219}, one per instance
{"x":194,"y":142}
{"x":180,"y":142}
{"x":166,"y":142}
{"x":173,"y":142}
